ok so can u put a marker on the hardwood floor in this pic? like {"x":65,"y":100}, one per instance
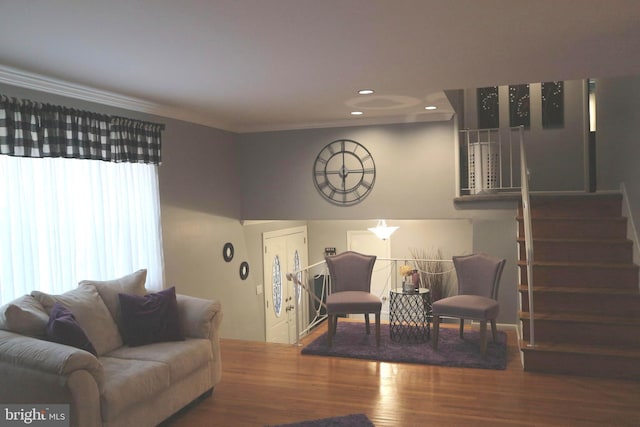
{"x":274,"y":384}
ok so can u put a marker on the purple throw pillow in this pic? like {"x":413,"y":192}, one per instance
{"x":150,"y":318}
{"x":63,"y":328}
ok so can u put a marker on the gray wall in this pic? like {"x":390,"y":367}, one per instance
{"x":555,"y":156}
{"x":414,"y":173}
{"x":618,"y":138}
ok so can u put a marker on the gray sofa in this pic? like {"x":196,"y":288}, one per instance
{"x":121,"y":385}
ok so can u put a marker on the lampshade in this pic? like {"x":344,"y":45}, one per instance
{"x":382,"y":230}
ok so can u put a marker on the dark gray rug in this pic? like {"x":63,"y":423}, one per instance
{"x":354,"y":420}
{"x":352,"y":341}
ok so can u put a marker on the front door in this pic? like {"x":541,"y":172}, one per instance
{"x":284,"y":252}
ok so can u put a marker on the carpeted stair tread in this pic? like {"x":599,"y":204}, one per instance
{"x":619,"y":265}
{"x":575,"y":218}
{"x":582,"y":318}
{"x":629,"y":352}
{"x":631,"y":293}
{"x":578,"y":240}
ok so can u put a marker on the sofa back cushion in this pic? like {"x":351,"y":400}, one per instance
{"x":90,"y":312}
{"x":24,"y":316}
{"x":132,"y":284}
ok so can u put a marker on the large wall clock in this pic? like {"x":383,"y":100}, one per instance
{"x":344,"y":172}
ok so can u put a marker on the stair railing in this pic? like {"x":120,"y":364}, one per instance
{"x":528,"y":237}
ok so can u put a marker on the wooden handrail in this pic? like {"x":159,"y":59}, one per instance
{"x":528,"y":237}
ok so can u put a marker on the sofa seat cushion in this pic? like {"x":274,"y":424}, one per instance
{"x":129,"y":382}
{"x":90,"y":312}
{"x":181,"y":358}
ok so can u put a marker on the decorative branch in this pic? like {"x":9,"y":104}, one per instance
{"x":431,"y":269}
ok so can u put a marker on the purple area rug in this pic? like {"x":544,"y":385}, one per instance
{"x":354,"y":420}
{"x":352,"y":341}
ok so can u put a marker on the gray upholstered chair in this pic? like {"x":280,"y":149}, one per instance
{"x":350,"y":290}
{"x":478,"y":282}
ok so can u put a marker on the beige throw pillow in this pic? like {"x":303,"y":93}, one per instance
{"x":24,"y":316}
{"x":90,"y":312}
{"x":132,"y":284}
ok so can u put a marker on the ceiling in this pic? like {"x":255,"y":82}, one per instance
{"x":257,"y":65}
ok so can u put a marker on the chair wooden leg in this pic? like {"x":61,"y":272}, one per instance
{"x":366,"y":322}
{"x":436,"y":331}
{"x":483,"y":337}
{"x":335,"y":324}
{"x":461,"y":328}
{"x":378,"y":329}
{"x":331,"y":331}
{"x":494,"y":330}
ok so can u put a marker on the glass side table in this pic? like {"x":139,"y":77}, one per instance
{"x":410,"y":315}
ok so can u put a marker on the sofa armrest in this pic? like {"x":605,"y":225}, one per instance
{"x":37,"y":371}
{"x":201,"y":318}
{"x":198,"y":316}
{"x":47,"y":357}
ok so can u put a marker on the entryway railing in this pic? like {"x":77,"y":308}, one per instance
{"x":488,"y":161}
{"x":434,"y":274}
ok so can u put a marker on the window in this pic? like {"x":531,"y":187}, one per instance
{"x":65,"y":220}
{"x":76,"y":202}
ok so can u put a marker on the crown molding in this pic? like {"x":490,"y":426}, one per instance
{"x":38,"y":82}
{"x":359,"y":121}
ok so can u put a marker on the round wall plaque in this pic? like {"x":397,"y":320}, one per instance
{"x":244,"y":270}
{"x":227,"y":251}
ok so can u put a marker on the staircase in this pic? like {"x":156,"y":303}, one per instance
{"x":585,"y":292}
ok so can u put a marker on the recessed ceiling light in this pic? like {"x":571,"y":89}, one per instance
{"x":357,"y":113}
{"x":430,"y":107}
{"x":365,"y":91}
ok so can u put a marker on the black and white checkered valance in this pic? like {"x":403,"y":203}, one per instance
{"x":30,"y":129}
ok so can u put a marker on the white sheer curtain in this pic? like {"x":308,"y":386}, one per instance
{"x":65,"y":220}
